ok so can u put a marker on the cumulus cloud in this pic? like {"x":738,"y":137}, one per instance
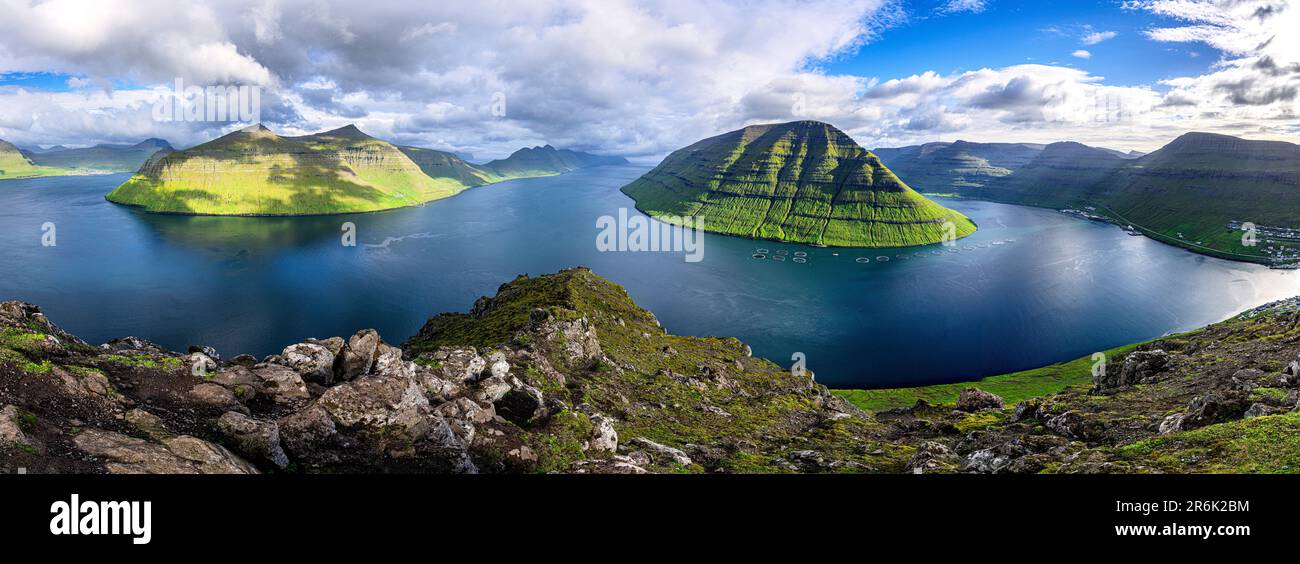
{"x":1081,"y":54}
{"x":636,"y":79}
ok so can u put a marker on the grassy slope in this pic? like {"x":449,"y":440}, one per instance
{"x":1193,"y":186}
{"x":255,"y":172}
{"x":260,"y":173}
{"x":802,"y":182}
{"x":1013,"y":387}
{"x":13,"y":164}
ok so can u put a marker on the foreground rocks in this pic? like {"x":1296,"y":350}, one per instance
{"x":1221,"y":399}
{"x":561,"y":373}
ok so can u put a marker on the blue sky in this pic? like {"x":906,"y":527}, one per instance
{"x":1011,"y":32}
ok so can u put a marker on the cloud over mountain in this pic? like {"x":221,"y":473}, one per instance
{"x":636,"y":79}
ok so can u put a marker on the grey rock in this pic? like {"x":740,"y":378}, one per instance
{"x":604,"y":438}
{"x":662,"y":452}
{"x":975,"y":399}
{"x":255,"y":439}
{"x":179,"y":455}
{"x":313,"y":362}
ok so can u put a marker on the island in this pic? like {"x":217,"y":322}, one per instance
{"x":255,"y":172}
{"x":798,"y":182}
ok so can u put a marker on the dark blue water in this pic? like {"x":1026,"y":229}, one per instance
{"x":1056,"y":287}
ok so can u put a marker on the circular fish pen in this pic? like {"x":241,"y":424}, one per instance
{"x":863,"y":260}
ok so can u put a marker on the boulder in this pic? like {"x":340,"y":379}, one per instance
{"x":984,"y":461}
{"x":1139,"y":367}
{"x":205,"y":351}
{"x":458,"y":365}
{"x":255,"y":439}
{"x":245,"y":360}
{"x":12,"y":434}
{"x":1075,"y":425}
{"x":376,"y":423}
{"x":522,"y":405}
{"x":498,"y":365}
{"x":357,"y":358}
{"x":1215,"y":407}
{"x":312,"y":361}
{"x":932,"y":457}
{"x":662,"y":453}
{"x":1259,"y":410}
{"x":280,"y":386}
{"x":1026,"y":411}
{"x":215,"y":398}
{"x":603,"y":436}
{"x":148,"y":424}
{"x":1171,"y":424}
{"x":492,"y":389}
{"x":975,"y":399}
{"x":200,"y":364}
{"x":179,"y":455}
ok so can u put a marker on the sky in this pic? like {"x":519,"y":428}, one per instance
{"x":641,"y":79}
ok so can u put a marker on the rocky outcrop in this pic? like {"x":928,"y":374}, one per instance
{"x":550,"y":375}
{"x":975,"y":399}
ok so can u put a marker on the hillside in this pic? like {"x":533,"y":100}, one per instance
{"x":943,"y":168}
{"x":545,"y":161}
{"x":804,"y":182}
{"x":1062,"y":175}
{"x":1190,"y":189}
{"x":15,"y":164}
{"x":561,"y":372}
{"x":1190,"y":193}
{"x":253,"y":171}
{"x":102,"y":158}
{"x":564,"y":373}
{"x":1223,"y":399}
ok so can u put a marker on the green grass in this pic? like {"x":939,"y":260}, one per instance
{"x":14,"y":165}
{"x":802,"y":182}
{"x":1012,"y":388}
{"x":1247,"y":446}
{"x":257,"y":173}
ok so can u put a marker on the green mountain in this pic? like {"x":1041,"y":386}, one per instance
{"x":253,"y":171}
{"x":803,"y":182}
{"x":256,"y":172}
{"x":958,"y":166}
{"x":1190,"y":193}
{"x":441,"y":164}
{"x":101,"y":158}
{"x":545,"y":161}
{"x":1062,"y":175}
{"x":14,"y":163}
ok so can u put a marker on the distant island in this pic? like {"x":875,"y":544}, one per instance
{"x":799,"y":182}
{"x":17,"y":162}
{"x":1197,"y":192}
{"x":255,"y":172}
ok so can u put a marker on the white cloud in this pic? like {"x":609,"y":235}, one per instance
{"x":1081,"y":54}
{"x":958,"y":6}
{"x":633,"y":79}
{"x":1098,"y":37}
